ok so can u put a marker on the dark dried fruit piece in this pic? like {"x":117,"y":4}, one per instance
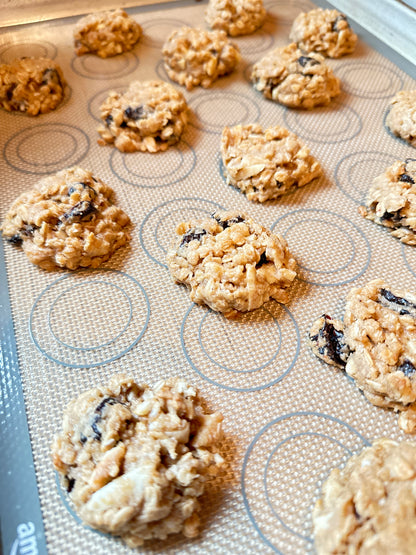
{"x":263,"y":260}
{"x":406,"y":178}
{"x":227,"y":223}
{"x":407,"y":368}
{"x":15,"y":239}
{"x":51,"y":76}
{"x":82,"y":186}
{"x":108,"y":120}
{"x":192,"y":235}
{"x":391,"y":216}
{"x":334,"y":346}
{"x":82,"y":212}
{"x":305,"y":60}
{"x":391,"y":298}
{"x":70,"y":483}
{"x":98,"y":415}
{"x":339,"y":18}
{"x":134,"y":113}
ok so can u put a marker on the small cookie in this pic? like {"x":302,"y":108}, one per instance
{"x":106,"y":33}
{"x":195,"y":57}
{"x":369,"y":506}
{"x":135,"y":459}
{"x":149,"y":116}
{"x":67,"y":221}
{"x":231,"y":263}
{"x":401,"y":119}
{"x":235,"y":17}
{"x":377,"y":344}
{"x":325,"y":31}
{"x":31,"y":85}
{"x":391,"y":201}
{"x":287,"y":76}
{"x":266,"y":164}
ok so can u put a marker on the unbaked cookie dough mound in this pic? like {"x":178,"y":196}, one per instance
{"x":235,"y":17}
{"x":325,"y":31}
{"x":106,"y":33}
{"x":265,"y":164}
{"x":149,"y":116}
{"x":135,"y":459}
{"x":31,"y":85}
{"x":67,"y":221}
{"x":376,"y":344}
{"x":286,"y":75}
{"x":193,"y":56}
{"x":369,"y":506}
{"x":401,"y":119}
{"x":391,"y":201}
{"x":231,"y":263}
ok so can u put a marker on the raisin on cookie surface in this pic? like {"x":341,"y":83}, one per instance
{"x":391,"y":201}
{"x":68,"y":220}
{"x":231,"y":263}
{"x":193,"y":56}
{"x":325,"y":31}
{"x":401,"y":118}
{"x":31,"y":85}
{"x":134,"y":459}
{"x":288,"y":76}
{"x":150,"y":116}
{"x":235,"y":17}
{"x":369,"y":506}
{"x":265,"y":164}
{"x":106,"y":33}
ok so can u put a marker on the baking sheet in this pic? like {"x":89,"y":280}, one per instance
{"x":288,"y":419}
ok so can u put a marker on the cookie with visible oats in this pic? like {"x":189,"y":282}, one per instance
{"x":149,"y":116}
{"x":231,"y":263}
{"x":391,"y":201}
{"x":265,"y":164}
{"x":106,"y":33}
{"x":235,"y":17}
{"x":134,"y":459}
{"x":193,"y":56}
{"x":325,"y":31}
{"x":369,"y":506}
{"x":67,"y":221}
{"x":401,"y":118}
{"x":288,"y":76}
{"x":31,"y":85}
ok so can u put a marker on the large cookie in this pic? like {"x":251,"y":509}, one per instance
{"x":235,"y":17}
{"x":67,"y":221}
{"x":391,"y":201}
{"x":149,"y":116}
{"x":369,"y":506}
{"x":325,"y":31}
{"x":401,"y":118}
{"x":265,"y":164}
{"x":193,"y":56}
{"x":135,"y":459}
{"x":288,"y":76}
{"x":106,"y":33}
{"x":31,"y":85}
{"x":231,"y":263}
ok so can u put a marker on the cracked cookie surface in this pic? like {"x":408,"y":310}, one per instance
{"x":231,"y":263}
{"x":68,"y":220}
{"x":31,"y":85}
{"x":265,"y":164}
{"x":369,"y":506}
{"x":149,"y":116}
{"x":235,"y":17}
{"x":325,"y":31}
{"x":193,"y":56}
{"x":106,"y":33}
{"x":286,"y":75}
{"x":391,"y":201}
{"x":134,"y":459}
{"x":401,"y":119}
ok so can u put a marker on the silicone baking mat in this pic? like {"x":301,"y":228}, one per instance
{"x":288,"y":418}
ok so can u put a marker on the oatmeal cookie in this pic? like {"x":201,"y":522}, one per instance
{"x":235,"y":17}
{"x":231,"y":263}
{"x":287,"y":76}
{"x":106,"y":33}
{"x":31,"y":85}
{"x":401,"y":119}
{"x":149,"y":116}
{"x":377,"y":345}
{"x":391,"y":201}
{"x":265,"y":164}
{"x":325,"y":31}
{"x":135,"y":459}
{"x":67,"y":221}
{"x":369,"y":506}
{"x":193,"y":56}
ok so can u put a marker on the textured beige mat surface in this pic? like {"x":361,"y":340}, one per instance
{"x":288,"y":419}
